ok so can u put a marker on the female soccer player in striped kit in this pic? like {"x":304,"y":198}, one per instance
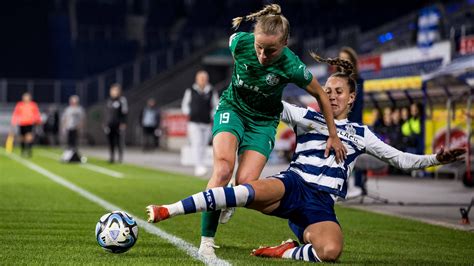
{"x":305,"y":193}
{"x":249,"y":109}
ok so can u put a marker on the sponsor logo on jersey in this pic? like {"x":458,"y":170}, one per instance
{"x":349,"y":133}
{"x":241,"y":84}
{"x":272,"y":79}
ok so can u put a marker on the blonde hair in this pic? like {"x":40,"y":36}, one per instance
{"x":269,"y":20}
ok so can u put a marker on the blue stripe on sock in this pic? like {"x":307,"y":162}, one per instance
{"x":301,"y":253}
{"x":229,"y":197}
{"x":251,"y":196}
{"x":189,"y":205}
{"x":311,"y":255}
{"x":293,"y":256}
{"x":210,"y":201}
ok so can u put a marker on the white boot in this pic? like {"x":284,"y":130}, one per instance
{"x":206,"y":249}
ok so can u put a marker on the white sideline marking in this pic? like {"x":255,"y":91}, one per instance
{"x":176,"y":241}
{"x":102,"y":170}
{"x":88,"y":166}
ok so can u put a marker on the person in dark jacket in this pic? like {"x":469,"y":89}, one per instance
{"x":150,"y":122}
{"x":115,"y":113}
{"x":51,"y":126}
{"x":198,"y":103}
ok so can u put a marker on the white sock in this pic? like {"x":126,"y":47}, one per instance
{"x":304,"y":252}
{"x":214,"y":199}
{"x":175,"y":208}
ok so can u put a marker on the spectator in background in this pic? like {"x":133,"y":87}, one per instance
{"x":72,"y":122}
{"x":377,"y":121}
{"x":384,"y":133}
{"x":411,"y":130}
{"x":396,"y":138}
{"x":26,"y":115}
{"x":116,"y":110}
{"x":404,"y":114}
{"x":199,"y":103}
{"x":51,"y":126}
{"x":150,"y":122}
{"x":395,"y":130}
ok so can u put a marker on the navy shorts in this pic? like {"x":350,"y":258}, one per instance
{"x":303,"y":204}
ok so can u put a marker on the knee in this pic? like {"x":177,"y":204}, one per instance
{"x":222,"y":172}
{"x":330,"y":252}
{"x":244,"y":180}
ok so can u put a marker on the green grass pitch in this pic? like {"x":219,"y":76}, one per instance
{"x":45,"y":223}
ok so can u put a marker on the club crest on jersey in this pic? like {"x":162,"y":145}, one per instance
{"x":350,"y":130}
{"x":307,"y":74}
{"x":272,"y":79}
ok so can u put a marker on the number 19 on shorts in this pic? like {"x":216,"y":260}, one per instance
{"x":224,"y":118}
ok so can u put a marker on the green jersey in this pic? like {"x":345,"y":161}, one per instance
{"x":256,"y":90}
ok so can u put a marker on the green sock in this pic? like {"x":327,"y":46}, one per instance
{"x":209,"y":223}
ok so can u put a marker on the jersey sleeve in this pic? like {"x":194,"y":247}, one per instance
{"x":399,"y":159}
{"x":292,"y":114}
{"x":233,"y":40}
{"x":185,"y":108}
{"x":301,"y":75}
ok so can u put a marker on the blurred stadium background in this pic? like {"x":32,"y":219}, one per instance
{"x":409,"y":52}
{"x":412,"y":52}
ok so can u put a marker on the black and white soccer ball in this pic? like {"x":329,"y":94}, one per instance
{"x":116,"y":232}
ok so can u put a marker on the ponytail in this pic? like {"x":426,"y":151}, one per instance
{"x":272,"y":9}
{"x":345,"y":66}
{"x":269,"y":21}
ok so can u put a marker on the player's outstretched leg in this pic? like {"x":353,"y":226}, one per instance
{"x":210,"y":200}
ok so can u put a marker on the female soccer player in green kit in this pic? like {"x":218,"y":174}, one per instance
{"x":249,"y":109}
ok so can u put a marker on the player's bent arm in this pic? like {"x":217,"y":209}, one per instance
{"x":315,"y":89}
{"x":397,"y":158}
{"x":333,"y":141}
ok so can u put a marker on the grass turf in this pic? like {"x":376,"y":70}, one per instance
{"x":43,"y":222}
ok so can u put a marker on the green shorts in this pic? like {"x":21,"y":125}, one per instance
{"x":251,"y":134}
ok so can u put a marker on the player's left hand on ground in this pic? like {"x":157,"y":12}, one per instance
{"x":449,"y":156}
{"x":340,"y":150}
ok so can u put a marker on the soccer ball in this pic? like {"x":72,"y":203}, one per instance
{"x":116,"y":232}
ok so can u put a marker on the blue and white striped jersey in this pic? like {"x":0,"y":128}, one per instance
{"x":311,"y":137}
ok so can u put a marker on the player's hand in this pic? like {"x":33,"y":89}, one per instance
{"x":339,"y":149}
{"x":450,"y":156}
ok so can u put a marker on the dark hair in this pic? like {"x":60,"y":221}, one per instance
{"x":269,"y":20}
{"x":352,"y":57}
{"x":346,"y":69}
